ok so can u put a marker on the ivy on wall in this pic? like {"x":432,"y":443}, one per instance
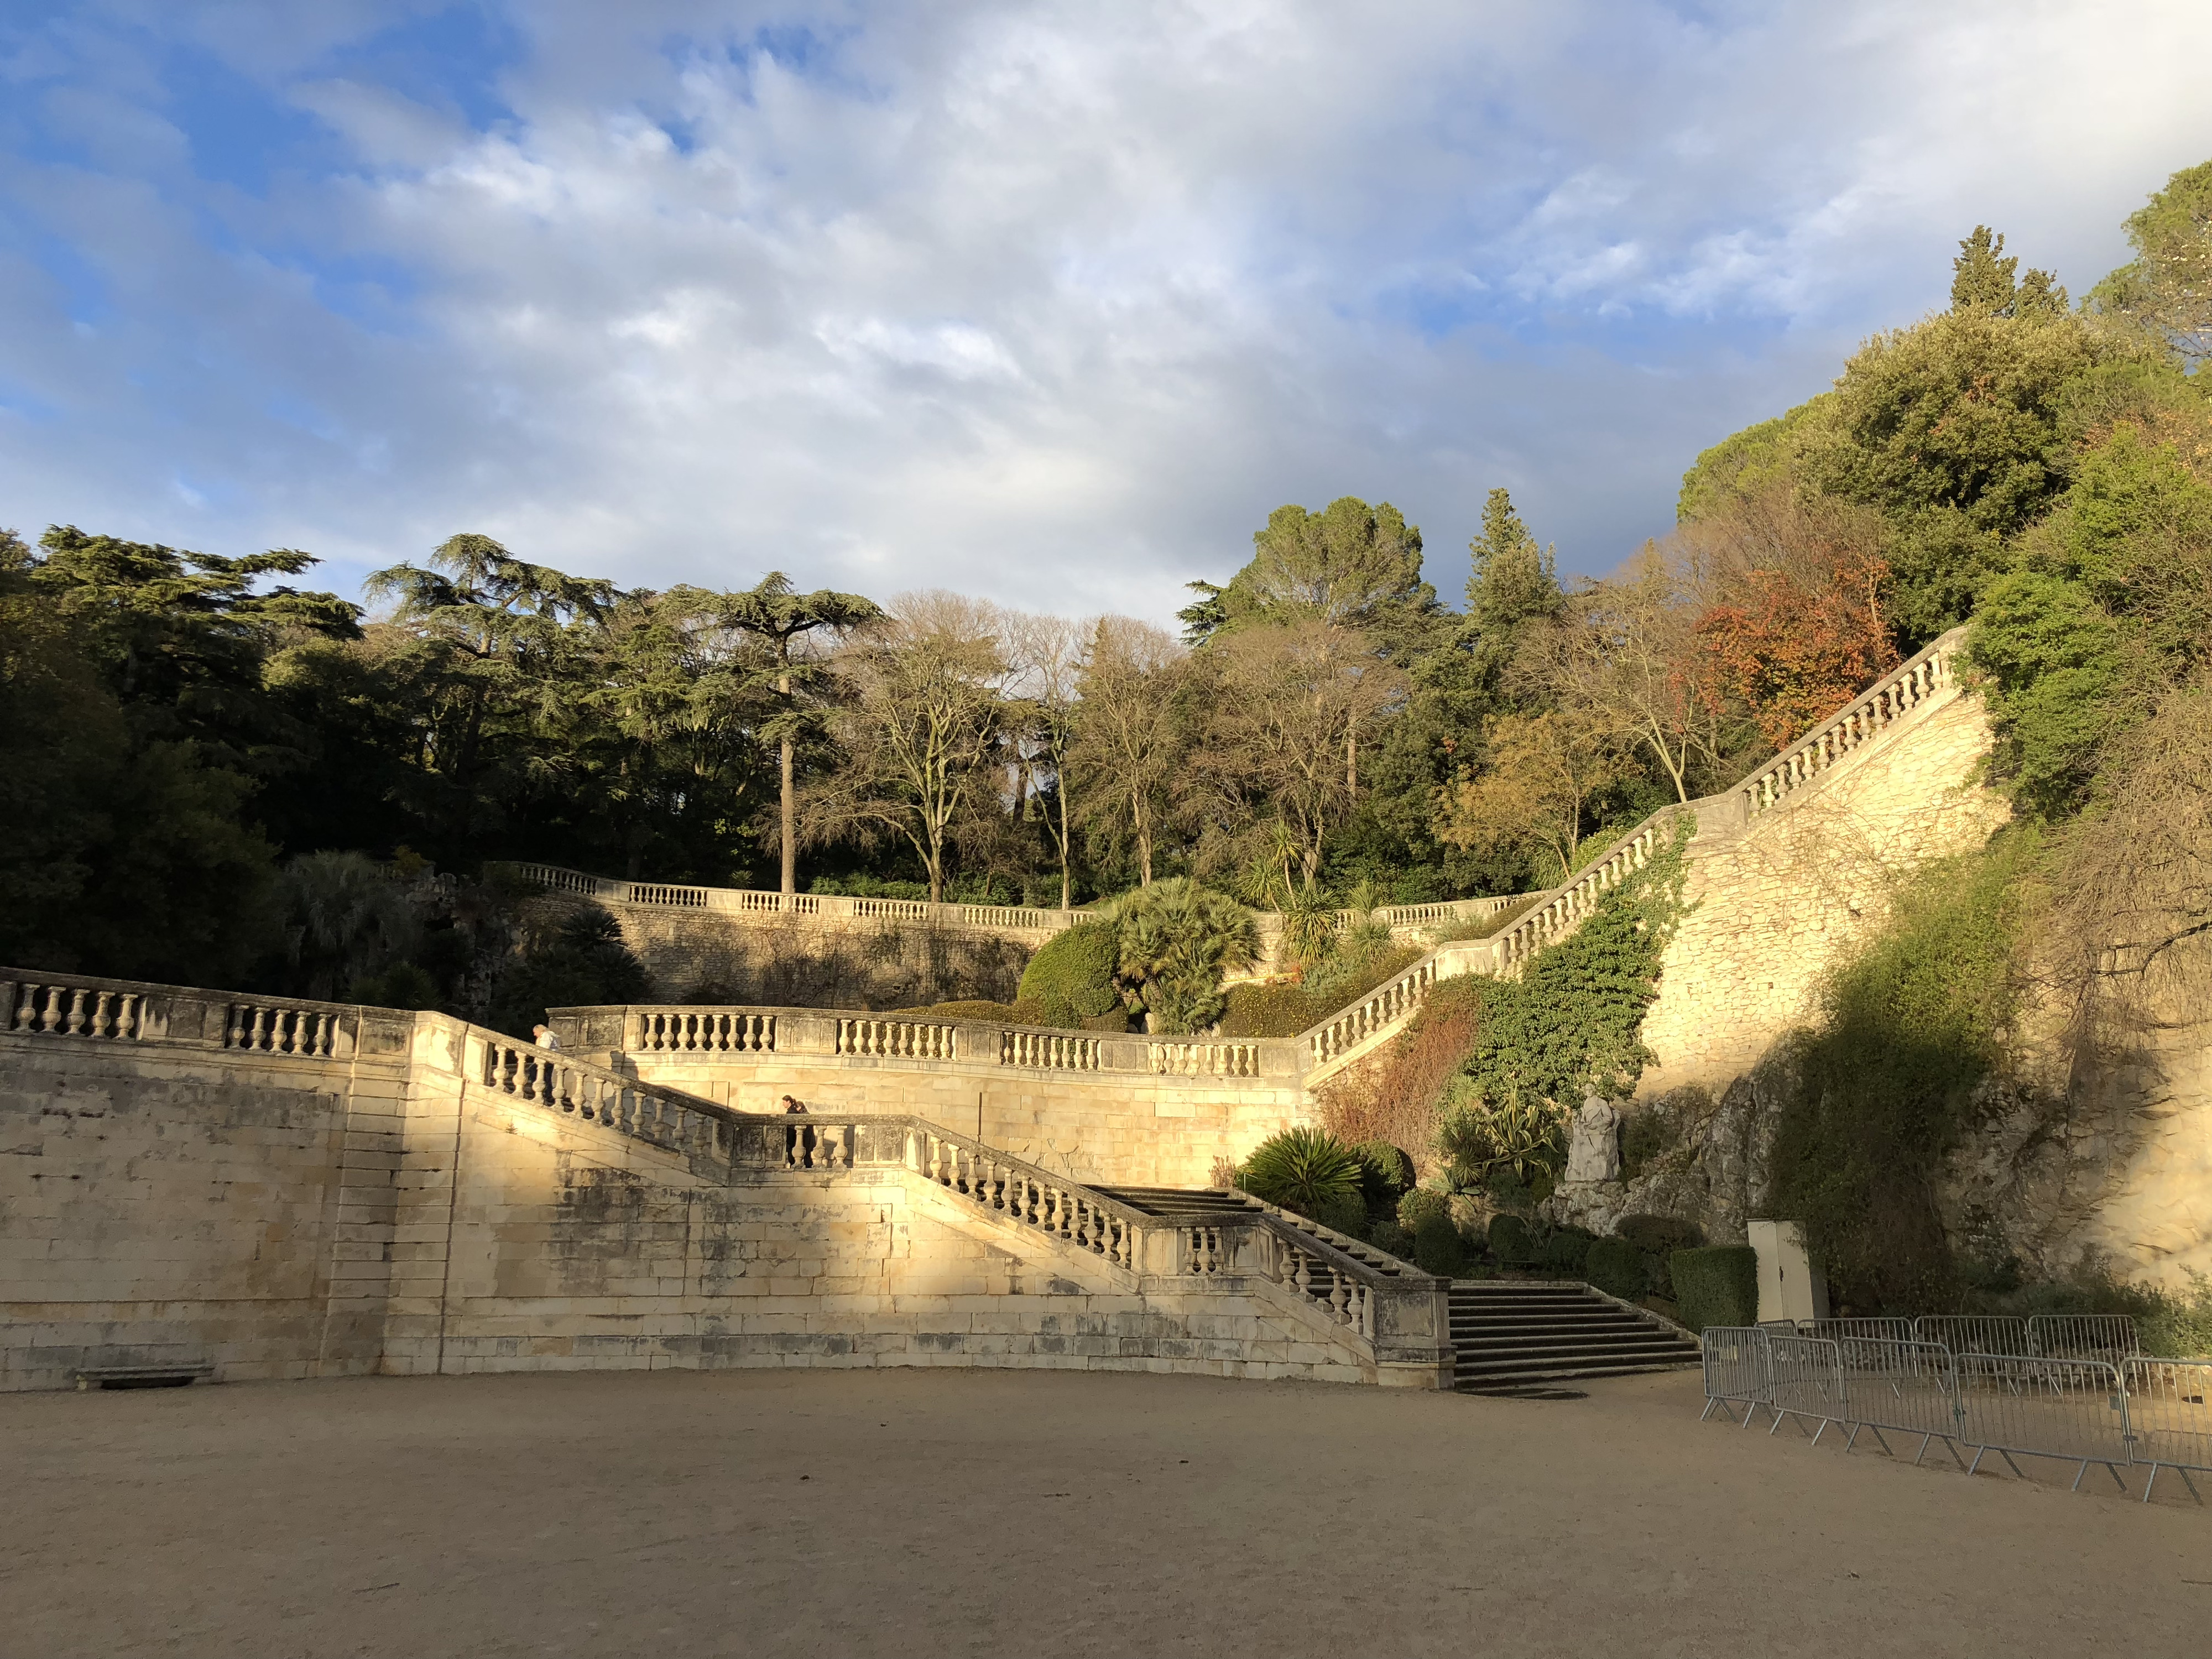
{"x":1568,"y":1027}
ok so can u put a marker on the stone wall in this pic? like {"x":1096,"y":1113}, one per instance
{"x":1774,"y":906}
{"x":285,"y":1189}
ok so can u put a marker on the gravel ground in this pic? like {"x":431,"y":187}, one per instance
{"x":953,"y":1511}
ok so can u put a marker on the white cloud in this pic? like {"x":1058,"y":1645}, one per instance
{"x":1050,"y":301}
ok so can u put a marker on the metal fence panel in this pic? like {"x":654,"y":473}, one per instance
{"x":1806,"y":1375}
{"x":1982,"y":1333}
{"x":1835,"y":1330}
{"x":2071,"y":1409}
{"x":1912,"y":1388}
{"x":2108,"y":1337}
{"x":2170,"y":1414}
{"x":1735,"y":1369}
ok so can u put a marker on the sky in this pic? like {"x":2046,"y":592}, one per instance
{"x":1048,"y":303}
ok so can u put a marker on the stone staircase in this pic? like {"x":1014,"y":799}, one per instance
{"x":1527,"y":1337}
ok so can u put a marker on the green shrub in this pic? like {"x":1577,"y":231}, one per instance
{"x":1346,"y":1211}
{"x":1511,"y":1242}
{"x":1017,"y":1012}
{"x":1880,"y":1087}
{"x":1384,"y":1172}
{"x":1174,"y":940}
{"x":1437,"y":1247}
{"x":1114,"y":1019}
{"x":1388,"y":1235}
{"x":1660,"y":1234}
{"x":1071,"y":978}
{"x":1302,"y":1169}
{"x":1568,"y":1250}
{"x":402,"y":986}
{"x":1421,"y":1202}
{"x":1716,"y":1285}
{"x":1268,"y":1011}
{"x":1616,"y":1267}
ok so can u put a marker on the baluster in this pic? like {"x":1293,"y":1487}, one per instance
{"x":1338,"y":1297}
{"x":1301,"y":1273}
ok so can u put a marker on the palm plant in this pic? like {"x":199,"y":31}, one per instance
{"x":1302,"y":1169}
{"x":344,"y":919}
{"x":1174,"y":940}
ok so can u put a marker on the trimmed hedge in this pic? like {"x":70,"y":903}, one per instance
{"x":1615,"y":1267}
{"x":1568,"y":1250}
{"x":1437,"y":1247}
{"x":1716,"y":1285}
{"x":1268,"y":1011}
{"x":1011,"y":1013}
{"x":1071,"y":976}
{"x":1512,"y":1243}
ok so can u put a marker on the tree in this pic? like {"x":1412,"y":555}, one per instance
{"x":498,"y":649}
{"x":2168,"y":287}
{"x":1285,"y":701}
{"x":1349,"y":565}
{"x":1625,"y":656}
{"x":1131,"y":728}
{"x":1544,"y":770}
{"x":773,"y":611}
{"x":1174,"y":940}
{"x":1792,"y":626}
{"x":917,"y":719}
{"x":1513,"y":581}
{"x":1046,"y":656}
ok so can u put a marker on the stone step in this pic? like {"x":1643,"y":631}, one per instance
{"x":1542,"y":1382}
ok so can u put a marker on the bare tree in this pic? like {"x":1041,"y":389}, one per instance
{"x":1131,"y":731}
{"x":1625,"y":657}
{"x":1046,"y":655}
{"x":1286,"y":703}
{"x":917,"y":724}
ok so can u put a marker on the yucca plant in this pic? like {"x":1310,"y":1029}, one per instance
{"x":1522,"y":1132}
{"x":1302,"y":1169}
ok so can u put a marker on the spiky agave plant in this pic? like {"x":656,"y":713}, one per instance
{"x":1302,"y":1169}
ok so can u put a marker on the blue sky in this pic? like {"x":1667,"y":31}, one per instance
{"x":1051,"y":303}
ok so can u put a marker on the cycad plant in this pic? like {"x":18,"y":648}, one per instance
{"x":344,"y":919}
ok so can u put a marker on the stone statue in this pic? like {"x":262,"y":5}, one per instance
{"x":1593,"y":1148}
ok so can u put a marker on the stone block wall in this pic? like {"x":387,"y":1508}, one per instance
{"x":1772,"y":906}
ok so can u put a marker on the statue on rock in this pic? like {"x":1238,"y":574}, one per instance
{"x":1594,"y":1150}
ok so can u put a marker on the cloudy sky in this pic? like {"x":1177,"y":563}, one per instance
{"x":1052,"y":302}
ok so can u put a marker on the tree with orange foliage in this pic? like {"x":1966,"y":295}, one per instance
{"x":1797,"y":631}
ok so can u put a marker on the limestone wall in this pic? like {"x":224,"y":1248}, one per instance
{"x":1774,"y":905}
{"x":288,"y":1190}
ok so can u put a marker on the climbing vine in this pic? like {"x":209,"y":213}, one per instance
{"x":1567,"y":1028}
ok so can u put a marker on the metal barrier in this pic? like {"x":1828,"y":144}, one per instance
{"x":1807,"y":1376}
{"x":2108,"y":1337}
{"x":2073,"y":1410}
{"x":2170,"y":1418}
{"x":1973,"y":1333}
{"x":1880,"y":1330}
{"x":1736,"y":1370}
{"x":1906,"y":1386}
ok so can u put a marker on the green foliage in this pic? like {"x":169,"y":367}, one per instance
{"x":344,"y":920}
{"x":1071,"y":978}
{"x":2109,"y":603}
{"x":1346,"y":1212}
{"x":1302,"y":1169}
{"x":1512,"y":1242}
{"x":1017,"y":1012}
{"x":1349,"y":564}
{"x":1437,"y":1247}
{"x":1905,"y":1032}
{"x":1717,"y":1285}
{"x":2167,"y":290}
{"x":403,"y":984}
{"x":1266,"y":1010}
{"x":1421,"y":1203}
{"x":1567,"y":1249}
{"x":1662,"y":1235}
{"x":1385,"y":1172}
{"x":1388,"y":1235}
{"x":1646,"y":1136}
{"x":1173,"y":941}
{"x":1617,"y":1267}
{"x":1565,"y":1029}
{"x":573,"y":956}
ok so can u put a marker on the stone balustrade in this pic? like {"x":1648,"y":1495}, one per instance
{"x":994,"y":918}
{"x":42,"y":1004}
{"x":1914,"y":684}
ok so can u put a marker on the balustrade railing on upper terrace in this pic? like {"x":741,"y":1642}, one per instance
{"x":1010,"y":918}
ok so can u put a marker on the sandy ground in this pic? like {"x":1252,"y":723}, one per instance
{"x":1010,"y":1514}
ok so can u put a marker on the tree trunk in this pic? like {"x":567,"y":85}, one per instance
{"x":1066,"y":883}
{"x":790,"y":847}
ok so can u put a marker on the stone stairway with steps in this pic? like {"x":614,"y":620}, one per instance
{"x":1529,"y":1337}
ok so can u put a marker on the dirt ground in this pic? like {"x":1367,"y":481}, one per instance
{"x":905,"y":1512}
